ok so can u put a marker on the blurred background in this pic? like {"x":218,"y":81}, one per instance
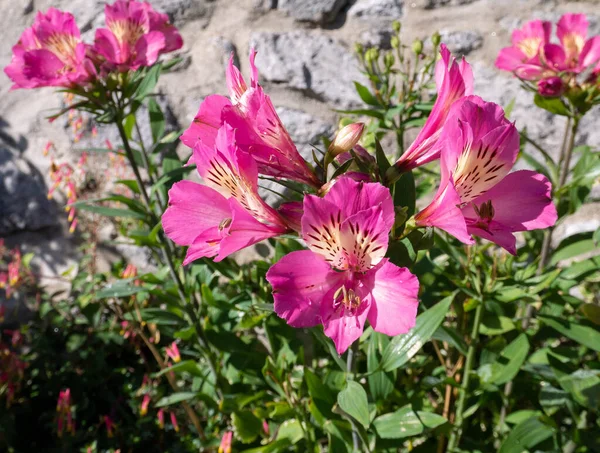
{"x":306,"y":61}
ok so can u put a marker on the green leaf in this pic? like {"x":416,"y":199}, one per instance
{"x":584,"y":386}
{"x":403,"y":347}
{"x":157,"y":120}
{"x":365,"y":94}
{"x":246,"y":426}
{"x":187,"y":366}
{"x":581,"y":333}
{"x":353,"y":401}
{"x":405,"y":422}
{"x":526,"y":435}
{"x":381,"y":384}
{"x":573,"y":246}
{"x":452,"y":337}
{"x":109,"y":212}
{"x":148,"y":83}
{"x":404,"y":192}
{"x":321,"y":395}
{"x":176,"y":398}
{"x":291,"y":430}
{"x":496,"y":325}
{"x":552,"y":105}
{"x":508,"y":364}
{"x":121,"y":288}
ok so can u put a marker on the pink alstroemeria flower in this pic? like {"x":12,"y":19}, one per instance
{"x":259,"y":130}
{"x":580,"y":53}
{"x":225,"y":445}
{"x":453,"y":81}
{"x":526,"y":45}
{"x":49,"y":53}
{"x":173,"y":352}
{"x":344,"y":279}
{"x":477,"y":196}
{"x":135,"y":35}
{"x":227,"y":214}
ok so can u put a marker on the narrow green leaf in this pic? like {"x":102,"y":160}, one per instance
{"x":176,"y":398}
{"x":148,"y":83}
{"x":381,"y":384}
{"x":511,"y":358}
{"x":353,"y":401}
{"x":405,"y":422}
{"x":365,"y":94}
{"x":403,"y":347}
{"x":552,"y":105}
{"x":157,"y":120}
{"x":526,"y":435}
{"x":110,"y":212}
{"x":187,"y":366}
{"x":581,"y":333}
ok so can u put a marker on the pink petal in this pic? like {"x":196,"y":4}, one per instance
{"x":235,"y":81}
{"x":205,"y":245}
{"x":193,"y":208}
{"x":148,"y":47}
{"x":590,"y":55}
{"x":354,"y":196}
{"x":394,"y":299}
{"x":343,"y":326}
{"x":572,"y":30}
{"x":43,"y":65}
{"x":554,"y":56}
{"x":244,"y":231}
{"x":530,"y":71}
{"x":206,"y":122}
{"x":443,"y":213}
{"x":300,"y":281}
{"x":106,"y":44}
{"x":292,"y":212}
{"x":498,"y":235}
{"x":510,"y":58}
{"x":522,"y":201}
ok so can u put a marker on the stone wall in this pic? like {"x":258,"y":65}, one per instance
{"x":306,"y":64}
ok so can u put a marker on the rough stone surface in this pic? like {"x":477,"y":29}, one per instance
{"x":23,"y":201}
{"x":432,"y":4}
{"x":377,"y":9}
{"x":462,"y":42}
{"x":314,"y":11}
{"x":311,"y":62}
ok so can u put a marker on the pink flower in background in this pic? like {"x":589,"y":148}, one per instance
{"x":173,"y":352}
{"x":225,"y":446}
{"x":526,"y":45}
{"x":174,"y":422}
{"x":110,"y":426}
{"x":453,"y":81}
{"x":227,"y":214}
{"x":344,"y":279}
{"x":551,"y":87}
{"x":160,"y":416}
{"x":135,"y":35}
{"x":145,"y":404}
{"x":49,"y":53}
{"x":259,"y":130}
{"x":64,"y":413}
{"x":477,"y":196}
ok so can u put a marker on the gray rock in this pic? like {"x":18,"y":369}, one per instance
{"x":376,"y":38}
{"x":432,"y":4}
{"x":314,"y":11}
{"x":313,"y":63}
{"x":461,"y":42}
{"x":377,"y":9}
{"x":24,"y":205}
{"x":183,"y":11}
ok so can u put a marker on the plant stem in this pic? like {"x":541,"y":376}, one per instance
{"x":168,"y":259}
{"x":349,"y":364}
{"x":457,"y":432}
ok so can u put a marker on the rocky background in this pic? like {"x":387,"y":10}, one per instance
{"x":306,"y":63}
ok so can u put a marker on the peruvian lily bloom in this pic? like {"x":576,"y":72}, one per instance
{"x":227,"y":214}
{"x":477,"y":196}
{"x":259,"y":130}
{"x":453,"y":81}
{"x":135,"y":35}
{"x":580,"y":52}
{"x":344,"y":279}
{"x":173,"y":352}
{"x":526,"y":45}
{"x":49,"y":53}
{"x":225,"y":445}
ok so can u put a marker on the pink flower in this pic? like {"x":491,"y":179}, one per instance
{"x":225,"y":446}
{"x":160,"y":415}
{"x":346,"y":139}
{"x":526,"y":44}
{"x":145,"y":404}
{"x":344,"y":279}
{"x":49,"y":53}
{"x":229,"y":215}
{"x":551,"y":87}
{"x":259,"y":130}
{"x":110,"y":426}
{"x":453,"y":80}
{"x":135,"y":35}
{"x":477,"y":196}
{"x":173,"y":352}
{"x":174,"y":422}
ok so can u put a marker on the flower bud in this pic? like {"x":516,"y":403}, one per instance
{"x":389,"y":60}
{"x":358,"y":48}
{"x":417,"y":46}
{"x":436,"y":39}
{"x":346,"y":139}
{"x":396,"y":26}
{"x":551,"y":87}
{"x":394,"y":42}
{"x":372,"y":54}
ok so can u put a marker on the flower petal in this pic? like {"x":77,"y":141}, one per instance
{"x":355,"y":196}
{"x":394,"y":299}
{"x":206,"y":122}
{"x":344,"y":327}
{"x":300,"y":281}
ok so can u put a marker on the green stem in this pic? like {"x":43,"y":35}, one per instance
{"x":168,"y":260}
{"x":149,"y":168}
{"x":349,"y":364}
{"x":457,"y":432}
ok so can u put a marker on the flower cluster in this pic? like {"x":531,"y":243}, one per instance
{"x":15,"y":274}
{"x":554,"y":68}
{"x":52,"y":53}
{"x":346,"y":277}
{"x":11,"y":366}
{"x":64,"y":413}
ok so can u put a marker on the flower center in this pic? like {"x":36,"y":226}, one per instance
{"x":127,"y":31}
{"x":346,"y":298}
{"x":63,"y":46}
{"x":530,"y":46}
{"x":486,"y":213}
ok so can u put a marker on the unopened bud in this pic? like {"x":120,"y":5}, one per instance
{"x":358,"y":48}
{"x":372,"y":54}
{"x":394,"y":42}
{"x":389,"y":60}
{"x":436,"y":39}
{"x":396,"y":26}
{"x":417,"y":46}
{"x":551,"y":87}
{"x":346,"y":139}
